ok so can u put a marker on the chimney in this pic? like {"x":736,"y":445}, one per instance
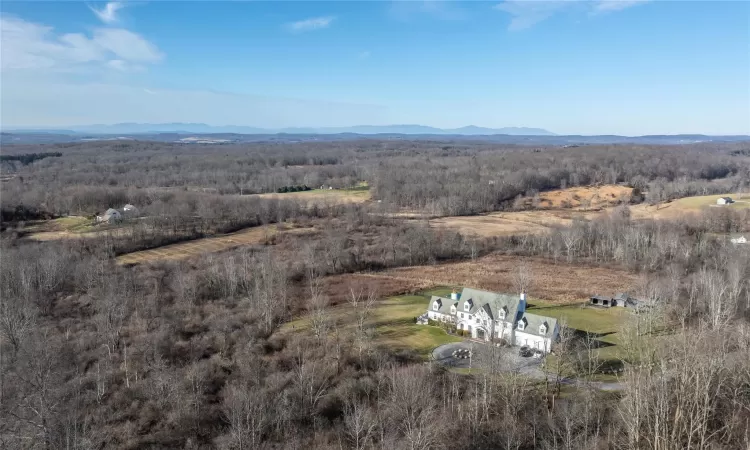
{"x":454,"y":295}
{"x":522,"y":303}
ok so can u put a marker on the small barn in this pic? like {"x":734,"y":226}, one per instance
{"x":129,"y":210}
{"x":724,"y":200}
{"x":600,"y":300}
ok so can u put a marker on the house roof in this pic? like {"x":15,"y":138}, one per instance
{"x":493,"y":301}
{"x":533,"y":322}
{"x":445,"y":304}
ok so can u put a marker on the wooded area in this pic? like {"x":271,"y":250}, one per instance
{"x":189,"y":354}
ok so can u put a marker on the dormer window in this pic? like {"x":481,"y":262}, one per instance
{"x":521,"y":324}
{"x":502,"y":312}
{"x":543,"y":329}
{"x":467,"y":306}
{"x":435,"y":306}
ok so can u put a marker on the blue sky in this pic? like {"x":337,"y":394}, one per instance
{"x":572,"y":67}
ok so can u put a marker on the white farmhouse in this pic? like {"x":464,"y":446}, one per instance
{"x":738,"y":240}
{"x":488,"y":315}
{"x":724,"y":200}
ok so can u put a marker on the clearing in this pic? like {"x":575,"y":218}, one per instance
{"x":583,"y":197}
{"x":557,"y":283}
{"x":65,"y":228}
{"x":393,"y":323}
{"x":197,"y":247}
{"x":687,"y":205}
{"x":551,"y":208}
{"x":512,"y":223}
{"x":357,"y":194}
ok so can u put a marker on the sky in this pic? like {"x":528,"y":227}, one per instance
{"x":572,"y":67}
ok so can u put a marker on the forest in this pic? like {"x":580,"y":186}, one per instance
{"x":196,"y":353}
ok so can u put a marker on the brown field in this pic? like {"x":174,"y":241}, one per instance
{"x":554,"y":283}
{"x":248,"y":236}
{"x":512,"y":223}
{"x":324,"y":196}
{"x":584,"y":196}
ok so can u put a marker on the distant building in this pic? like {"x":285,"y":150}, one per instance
{"x":623,"y":300}
{"x":738,"y":240}
{"x":724,"y":200}
{"x":110,"y":216}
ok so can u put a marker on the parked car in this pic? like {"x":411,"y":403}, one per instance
{"x":525,"y":351}
{"x":538,"y":353}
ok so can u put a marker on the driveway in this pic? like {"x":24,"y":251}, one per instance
{"x":502,"y":359}
{"x":484,"y":356}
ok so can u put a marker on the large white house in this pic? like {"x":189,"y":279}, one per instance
{"x":487,"y":315}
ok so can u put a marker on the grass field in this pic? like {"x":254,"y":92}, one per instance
{"x":512,"y":223}
{"x":681,"y":206}
{"x":560,"y":283}
{"x":64,"y":228}
{"x":248,"y":236}
{"x":357,"y":194}
{"x":392,"y":321}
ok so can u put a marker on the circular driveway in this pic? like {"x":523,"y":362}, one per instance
{"x":444,"y":354}
{"x":505,"y":359}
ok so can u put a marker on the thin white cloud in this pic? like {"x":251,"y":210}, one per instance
{"x":28,"y":45}
{"x":616,"y":5}
{"x":313,"y":23}
{"x":437,"y":9}
{"x":108,"y":14}
{"x":149,"y":91}
{"x":364,"y":55}
{"x":527,"y":13}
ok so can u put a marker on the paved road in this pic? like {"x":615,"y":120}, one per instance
{"x":506,"y":359}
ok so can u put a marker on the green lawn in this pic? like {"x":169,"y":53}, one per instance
{"x":393,"y":323}
{"x":74,"y":224}
{"x":592,"y":320}
{"x":707,"y":200}
{"x":393,"y":320}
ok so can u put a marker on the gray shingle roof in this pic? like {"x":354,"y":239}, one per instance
{"x":445,"y":304}
{"x":533,"y":322}
{"x":493,"y":300}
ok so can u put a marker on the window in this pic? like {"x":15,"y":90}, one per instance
{"x":435,"y":306}
{"x":467,"y":306}
{"x":520,"y":324}
{"x":479,"y":320}
{"x":542,"y":329}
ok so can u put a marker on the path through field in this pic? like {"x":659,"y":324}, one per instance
{"x":248,"y":236}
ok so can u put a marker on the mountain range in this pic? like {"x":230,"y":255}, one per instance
{"x":190,"y":128}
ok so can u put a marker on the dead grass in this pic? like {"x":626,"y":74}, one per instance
{"x":512,"y":223}
{"x":584,"y":196}
{"x":359,"y":194}
{"x":555,"y":283}
{"x":248,"y":236}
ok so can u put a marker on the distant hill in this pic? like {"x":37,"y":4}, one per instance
{"x":191,"y":128}
{"x":36,"y":137}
